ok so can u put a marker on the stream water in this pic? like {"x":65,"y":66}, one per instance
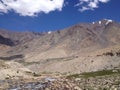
{"x":39,"y":85}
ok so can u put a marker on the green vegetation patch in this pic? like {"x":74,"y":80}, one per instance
{"x":100,"y":73}
{"x":12,"y":57}
{"x":94,"y":74}
{"x":73,"y":76}
{"x":47,"y":60}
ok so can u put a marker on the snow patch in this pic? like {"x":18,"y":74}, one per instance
{"x":108,"y":21}
{"x":100,"y":22}
{"x":49,"y":32}
{"x":93,"y":22}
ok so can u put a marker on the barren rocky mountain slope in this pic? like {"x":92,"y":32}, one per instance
{"x":80,"y":48}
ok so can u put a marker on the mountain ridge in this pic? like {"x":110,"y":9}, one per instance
{"x":74,"y":47}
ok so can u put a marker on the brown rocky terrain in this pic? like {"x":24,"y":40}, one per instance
{"x":64,"y":48}
{"x":85,"y":47}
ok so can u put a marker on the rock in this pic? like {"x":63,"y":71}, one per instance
{"x":77,"y":79}
{"x":114,"y":70}
{"x":50,"y":79}
{"x":47,"y":89}
{"x":77,"y":88}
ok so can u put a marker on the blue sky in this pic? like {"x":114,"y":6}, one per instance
{"x":56,"y":15}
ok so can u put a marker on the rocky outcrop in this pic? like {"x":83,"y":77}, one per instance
{"x":6,"y":41}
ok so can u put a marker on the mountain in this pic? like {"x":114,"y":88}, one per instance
{"x":19,"y":37}
{"x":80,"y":48}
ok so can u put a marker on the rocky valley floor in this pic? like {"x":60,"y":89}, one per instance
{"x":100,"y":80}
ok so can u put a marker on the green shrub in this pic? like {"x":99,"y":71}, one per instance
{"x":36,"y":74}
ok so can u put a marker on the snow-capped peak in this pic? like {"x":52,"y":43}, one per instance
{"x":103,"y":22}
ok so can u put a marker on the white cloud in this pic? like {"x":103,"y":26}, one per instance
{"x":83,"y":9}
{"x":3,"y":8}
{"x":104,"y":1}
{"x":30,"y":7}
{"x":93,"y":4}
{"x":89,"y":4}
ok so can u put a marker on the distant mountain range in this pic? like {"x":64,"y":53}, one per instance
{"x":79,"y":48}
